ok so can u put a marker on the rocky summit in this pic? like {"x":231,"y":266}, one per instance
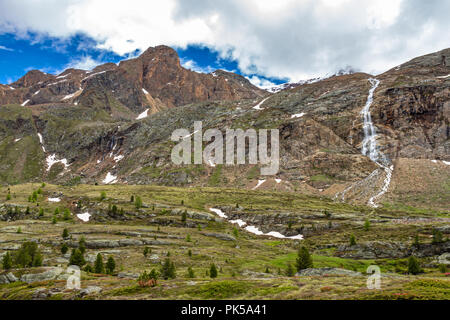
{"x":86,"y":173}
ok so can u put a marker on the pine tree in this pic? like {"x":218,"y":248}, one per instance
{"x":41,"y":212}
{"x":54,"y":220}
{"x":367,"y":225}
{"x":102,"y":195}
{"x":99,"y":267}
{"x":352,"y":240}
{"x":56,"y":212}
{"x":413,"y":266}
{"x":7,"y":261}
{"x":110,"y":265}
{"x":213,"y":271}
{"x":82,"y":245}
{"x":168,"y":270}
{"x":189,"y":253}
{"x":190,"y":273}
{"x":437,"y":236}
{"x":132,"y":199}
{"x":28,"y":255}
{"x":188,"y":238}
{"x":235,"y":232}
{"x":304,"y":260}
{"x":146,"y":251}
{"x":76,"y":258}
{"x":64,"y":248}
{"x":184,"y":216}
{"x":66,"y":215}
{"x":65,"y":234}
{"x":416,"y":240}
{"x":138,"y":202}
{"x":8,"y":197}
{"x":37,"y":260}
{"x":290,"y":272}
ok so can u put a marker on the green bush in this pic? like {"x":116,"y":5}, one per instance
{"x":102,"y":195}
{"x":138,"y":202}
{"x":414,"y":266}
{"x":64,"y":248}
{"x":65,"y":234}
{"x":352,"y":240}
{"x":98,"y":266}
{"x":168,"y":270}
{"x":367,"y":225}
{"x":290,"y":272}
{"x":76,"y":258}
{"x":190,"y":273}
{"x":213,"y":271}
{"x":110,"y":265}
{"x":437,"y":236}
{"x":304,"y":259}
{"x":7,"y":262}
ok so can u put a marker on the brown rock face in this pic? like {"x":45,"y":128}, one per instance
{"x":32,"y":78}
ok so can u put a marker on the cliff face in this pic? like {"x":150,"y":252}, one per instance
{"x":90,"y":120}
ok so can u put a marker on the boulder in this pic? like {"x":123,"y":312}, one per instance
{"x":327,"y":271}
{"x":7,"y":278}
{"x":221,"y":236}
{"x":89,"y":290}
{"x":50,"y":274}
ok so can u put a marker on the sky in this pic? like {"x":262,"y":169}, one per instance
{"x":268,"y":41}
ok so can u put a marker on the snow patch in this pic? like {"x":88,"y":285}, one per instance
{"x":444,"y":77}
{"x":143,"y":115}
{"x":260,"y":182}
{"x":278,"y":181}
{"x":54,"y":199}
{"x":219,"y":212}
{"x":25,"y":103}
{"x":17,"y":140}
{"x":84,"y":216}
{"x":258,"y":106}
{"x":118,"y":158}
{"x":145,"y":91}
{"x":110,"y":178}
{"x":51,"y":160}
{"x":298,"y":115}
{"x":37,"y":92}
{"x":446,"y":163}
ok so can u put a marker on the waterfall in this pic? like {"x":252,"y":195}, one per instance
{"x":369,"y":144}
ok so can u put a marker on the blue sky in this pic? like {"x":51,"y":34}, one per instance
{"x":53,"y":55}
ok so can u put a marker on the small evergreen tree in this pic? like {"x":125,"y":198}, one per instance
{"x":19,"y":230}
{"x":41,"y":212}
{"x":82,"y":245}
{"x":37,"y":260}
{"x":132,"y":199}
{"x":102,"y":195}
{"x":65,"y":234}
{"x":304,"y":260}
{"x":56,"y":212}
{"x":235,"y":232}
{"x":213,"y":271}
{"x":168,"y":270}
{"x":7,"y":261}
{"x":184,"y":216}
{"x":88,"y":268}
{"x":66,"y":214}
{"x":138,"y":202}
{"x":413,"y":266}
{"x":28,"y":255}
{"x":367,"y":225}
{"x":290,"y":272}
{"x":8,"y":197}
{"x":76,"y":258}
{"x":146,"y":251}
{"x":352,"y":240}
{"x":416,"y":240}
{"x":54,"y":220}
{"x":190,"y":253}
{"x":442,"y":268}
{"x":64,"y":248}
{"x":437,"y":236}
{"x":190,"y":273}
{"x":188,"y":238}
{"x":110,"y":265}
{"x":98,"y":266}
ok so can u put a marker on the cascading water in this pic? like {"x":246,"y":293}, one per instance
{"x":369,"y":144}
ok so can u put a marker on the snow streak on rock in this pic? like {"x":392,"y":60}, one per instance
{"x":253,"y":229}
{"x":258,"y":106}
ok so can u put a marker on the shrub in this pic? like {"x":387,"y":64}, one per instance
{"x":64,"y":248}
{"x":148,"y":279}
{"x":184,"y":216}
{"x":235,"y":232}
{"x":352,"y":240}
{"x":110,"y":265}
{"x":168,"y":270}
{"x":147,"y":250}
{"x":367,"y":225}
{"x":213,"y":271}
{"x":65,"y":234}
{"x":82,"y":245}
{"x":66,"y":214}
{"x":190,"y":273}
{"x":99,"y":267}
{"x":56,"y":212}
{"x":437,"y":236}
{"x":76,"y":258}
{"x":138,"y":202}
{"x":188,"y":238}
{"x":54,"y":220}
{"x":7,"y":261}
{"x":413,"y":266}
{"x":442,"y":268}
{"x":41,"y":212}
{"x":19,"y":230}
{"x":8,"y":197}
{"x":416,"y":240}
{"x":304,"y":260}
{"x":290,"y":272}
{"x":190,"y":253}
{"x":88,"y":268}
{"x":132,"y":199}
{"x":102,"y":195}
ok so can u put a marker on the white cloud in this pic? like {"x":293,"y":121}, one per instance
{"x":284,"y":38}
{"x":192,"y":65}
{"x":6,"y":48}
{"x":83,"y":63}
{"x":261,"y":82}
